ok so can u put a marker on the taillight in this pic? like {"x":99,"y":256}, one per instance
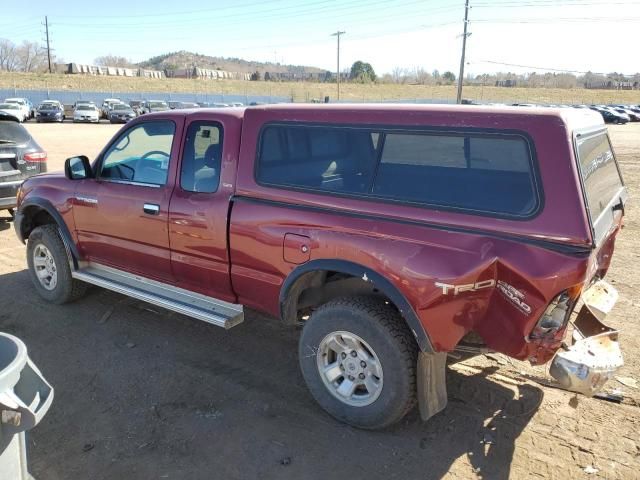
{"x":557,"y":314}
{"x":35,"y":157}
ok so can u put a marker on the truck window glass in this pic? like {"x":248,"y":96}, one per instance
{"x":140,"y":155}
{"x":599,"y":171}
{"x":200,"y":171}
{"x":325,"y":158}
{"x":490,"y":173}
{"x":484,"y":172}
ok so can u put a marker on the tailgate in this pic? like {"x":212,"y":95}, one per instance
{"x":9,"y":171}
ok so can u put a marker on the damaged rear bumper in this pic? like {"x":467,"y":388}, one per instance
{"x":594,"y":355}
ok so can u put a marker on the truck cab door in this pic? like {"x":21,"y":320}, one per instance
{"x":200,"y":206}
{"x":121,"y":216}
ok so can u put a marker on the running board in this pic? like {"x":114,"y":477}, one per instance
{"x":211,"y":310}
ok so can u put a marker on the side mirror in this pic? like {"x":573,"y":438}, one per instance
{"x":78,"y":168}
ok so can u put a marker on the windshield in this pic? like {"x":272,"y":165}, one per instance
{"x":157,"y":105}
{"x":85,"y":107}
{"x":121,"y":107}
{"x":48,"y":106}
{"x":600,"y":174}
{"x":9,"y":106}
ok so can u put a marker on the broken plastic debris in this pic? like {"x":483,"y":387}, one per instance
{"x":589,"y":469}
{"x":628,"y":381}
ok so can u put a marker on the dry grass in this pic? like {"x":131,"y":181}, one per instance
{"x":301,"y":92}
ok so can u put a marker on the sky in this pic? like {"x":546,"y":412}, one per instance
{"x":506,"y":35}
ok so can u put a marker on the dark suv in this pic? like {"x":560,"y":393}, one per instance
{"x":20,"y":157}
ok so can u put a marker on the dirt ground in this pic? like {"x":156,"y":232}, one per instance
{"x":142,"y":393}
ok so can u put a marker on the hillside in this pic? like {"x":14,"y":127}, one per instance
{"x":304,"y":91}
{"x":183,"y":59}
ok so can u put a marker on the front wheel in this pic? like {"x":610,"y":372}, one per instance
{"x":49,"y":267}
{"x":358,"y":359}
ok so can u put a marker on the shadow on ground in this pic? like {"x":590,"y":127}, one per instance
{"x":5,"y":223}
{"x":144,"y":393}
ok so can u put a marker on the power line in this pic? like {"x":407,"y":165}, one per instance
{"x":560,"y":20}
{"x":345,"y":7}
{"x":548,"y":69}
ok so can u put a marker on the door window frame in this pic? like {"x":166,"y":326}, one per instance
{"x":218,"y":124}
{"x":100,"y":160}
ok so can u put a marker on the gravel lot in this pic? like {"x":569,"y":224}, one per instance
{"x":142,"y":393}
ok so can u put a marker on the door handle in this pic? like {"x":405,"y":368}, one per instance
{"x":151,"y":209}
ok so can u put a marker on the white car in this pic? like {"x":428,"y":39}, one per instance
{"x":25,"y":107}
{"x":13,"y":109}
{"x":86,"y":113}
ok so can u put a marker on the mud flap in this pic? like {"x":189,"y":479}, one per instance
{"x":432,"y":384}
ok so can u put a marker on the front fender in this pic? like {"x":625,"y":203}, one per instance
{"x":368,"y":275}
{"x":25,"y":212}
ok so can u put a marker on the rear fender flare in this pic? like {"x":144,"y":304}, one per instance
{"x":369,"y":275}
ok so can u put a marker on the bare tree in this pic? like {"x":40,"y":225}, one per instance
{"x":31,"y":57}
{"x":8,"y":55}
{"x":397,"y":73}
{"x":113,"y":61}
{"x":422,"y":76}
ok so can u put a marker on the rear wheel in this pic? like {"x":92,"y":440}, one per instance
{"x":49,"y":266}
{"x":359,"y":361}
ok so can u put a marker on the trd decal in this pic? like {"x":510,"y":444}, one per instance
{"x":470,"y":287}
{"x":514,"y":296}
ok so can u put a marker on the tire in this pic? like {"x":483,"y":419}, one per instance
{"x":382,"y":335}
{"x":45,"y":242}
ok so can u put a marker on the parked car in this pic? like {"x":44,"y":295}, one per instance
{"x":189,"y":105}
{"x":106,"y":106}
{"x":14,"y":110}
{"x":611,"y":116}
{"x":50,"y":112}
{"x":86,"y":113}
{"x":83,"y":102}
{"x":633,"y":116}
{"x":51,"y":102}
{"x":25,"y":106}
{"x":20,"y":157}
{"x":173,"y":104}
{"x":121,"y":113}
{"x":136,"y":105}
{"x":151,"y":106}
{"x":394,"y":233}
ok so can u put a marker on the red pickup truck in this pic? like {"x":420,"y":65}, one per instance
{"x":394,"y":233}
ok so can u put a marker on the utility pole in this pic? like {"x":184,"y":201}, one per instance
{"x":337,"y":34}
{"x":46,"y":26}
{"x":464,"y":47}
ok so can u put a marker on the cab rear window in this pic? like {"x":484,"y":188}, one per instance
{"x":486,"y":173}
{"x":600,"y":174}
